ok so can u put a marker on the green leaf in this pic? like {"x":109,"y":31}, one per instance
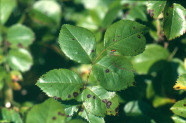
{"x":20,"y":35}
{"x":137,"y":108}
{"x":174,"y":21}
{"x":179,"y":108}
{"x":178,"y":119}
{"x":91,"y":118}
{"x":19,"y":59}
{"x":156,"y":7}
{"x":111,"y":16}
{"x":98,"y":101}
{"x":152,"y":54}
{"x":6,"y":9}
{"x":125,"y":37}
{"x":1,"y":37}
{"x":49,"y":111}
{"x":137,"y":12}
{"x":61,"y":83}
{"x":77,"y":43}
{"x":76,"y":121}
{"x":10,"y":115}
{"x":181,"y":82}
{"x":46,"y":12}
{"x":114,"y":73}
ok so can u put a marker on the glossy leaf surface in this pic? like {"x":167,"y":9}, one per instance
{"x":19,"y":59}
{"x":174,"y":21}
{"x":49,"y":111}
{"x":152,"y":54}
{"x":125,"y":37}
{"x":114,"y":73}
{"x":62,"y":83}
{"x":6,"y":9}
{"x":155,"y":7}
{"x":98,"y":101}
{"x":77,"y":43}
{"x":179,"y":108}
{"x":20,"y":35}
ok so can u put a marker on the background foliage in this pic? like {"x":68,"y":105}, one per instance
{"x":35,"y":47}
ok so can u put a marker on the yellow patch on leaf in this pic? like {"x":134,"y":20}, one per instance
{"x":179,"y":86}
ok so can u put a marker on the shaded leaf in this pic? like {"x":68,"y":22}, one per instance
{"x":114,"y":73}
{"x":6,"y":9}
{"x":76,"y":121}
{"x":46,"y":12}
{"x":125,"y":37}
{"x":77,"y":43}
{"x":98,"y":101}
{"x":179,"y":108}
{"x":62,"y":83}
{"x":181,"y":83}
{"x":19,"y":59}
{"x":156,"y":7}
{"x":174,"y":21}
{"x":20,"y":35}
{"x":153,"y":54}
{"x":111,"y":16}
{"x":10,"y":115}
{"x":49,"y":111}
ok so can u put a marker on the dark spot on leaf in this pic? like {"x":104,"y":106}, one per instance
{"x":94,"y":97}
{"x":109,"y":103}
{"x":68,"y":115}
{"x":178,"y":87}
{"x":104,"y":100}
{"x":57,"y":98}
{"x":118,"y":36}
{"x":134,"y":27}
{"x":134,"y":50}
{"x":167,"y":14}
{"x":75,"y":94}
{"x":69,"y":96}
{"x":114,"y":40}
{"x":20,"y":45}
{"x":53,"y":118}
{"x":73,"y":39}
{"x":81,"y":109}
{"x":184,"y":104}
{"x":93,"y":51}
{"x":172,"y":6}
{"x":151,"y":12}
{"x":134,"y":83}
{"x":139,"y":36}
{"x":62,"y":114}
{"x":107,"y":70}
{"x":116,"y":110}
{"x":88,"y":96}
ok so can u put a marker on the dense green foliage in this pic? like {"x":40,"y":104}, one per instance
{"x":92,"y":61}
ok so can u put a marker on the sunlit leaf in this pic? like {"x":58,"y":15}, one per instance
{"x":181,"y":83}
{"x":178,"y":119}
{"x":153,"y":54}
{"x":114,"y":73}
{"x":10,"y":115}
{"x":19,"y":59}
{"x":77,"y":43}
{"x":20,"y":35}
{"x":62,"y":83}
{"x":125,"y":37}
{"x":179,"y":108}
{"x":155,"y":7}
{"x":6,"y":9}
{"x":99,"y":102}
{"x":174,"y":21}
{"x":49,"y":111}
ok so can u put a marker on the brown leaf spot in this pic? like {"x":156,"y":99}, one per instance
{"x":107,"y":70}
{"x":20,"y":45}
{"x":93,"y":51}
{"x":94,"y":97}
{"x":139,"y":36}
{"x":73,"y":39}
{"x":53,"y":118}
{"x":184,"y":104}
{"x":88,"y":96}
{"x":82,"y":109}
{"x":75,"y":94}
{"x":104,"y":100}
{"x":116,"y":110}
{"x":151,"y":12}
{"x":69,"y":96}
